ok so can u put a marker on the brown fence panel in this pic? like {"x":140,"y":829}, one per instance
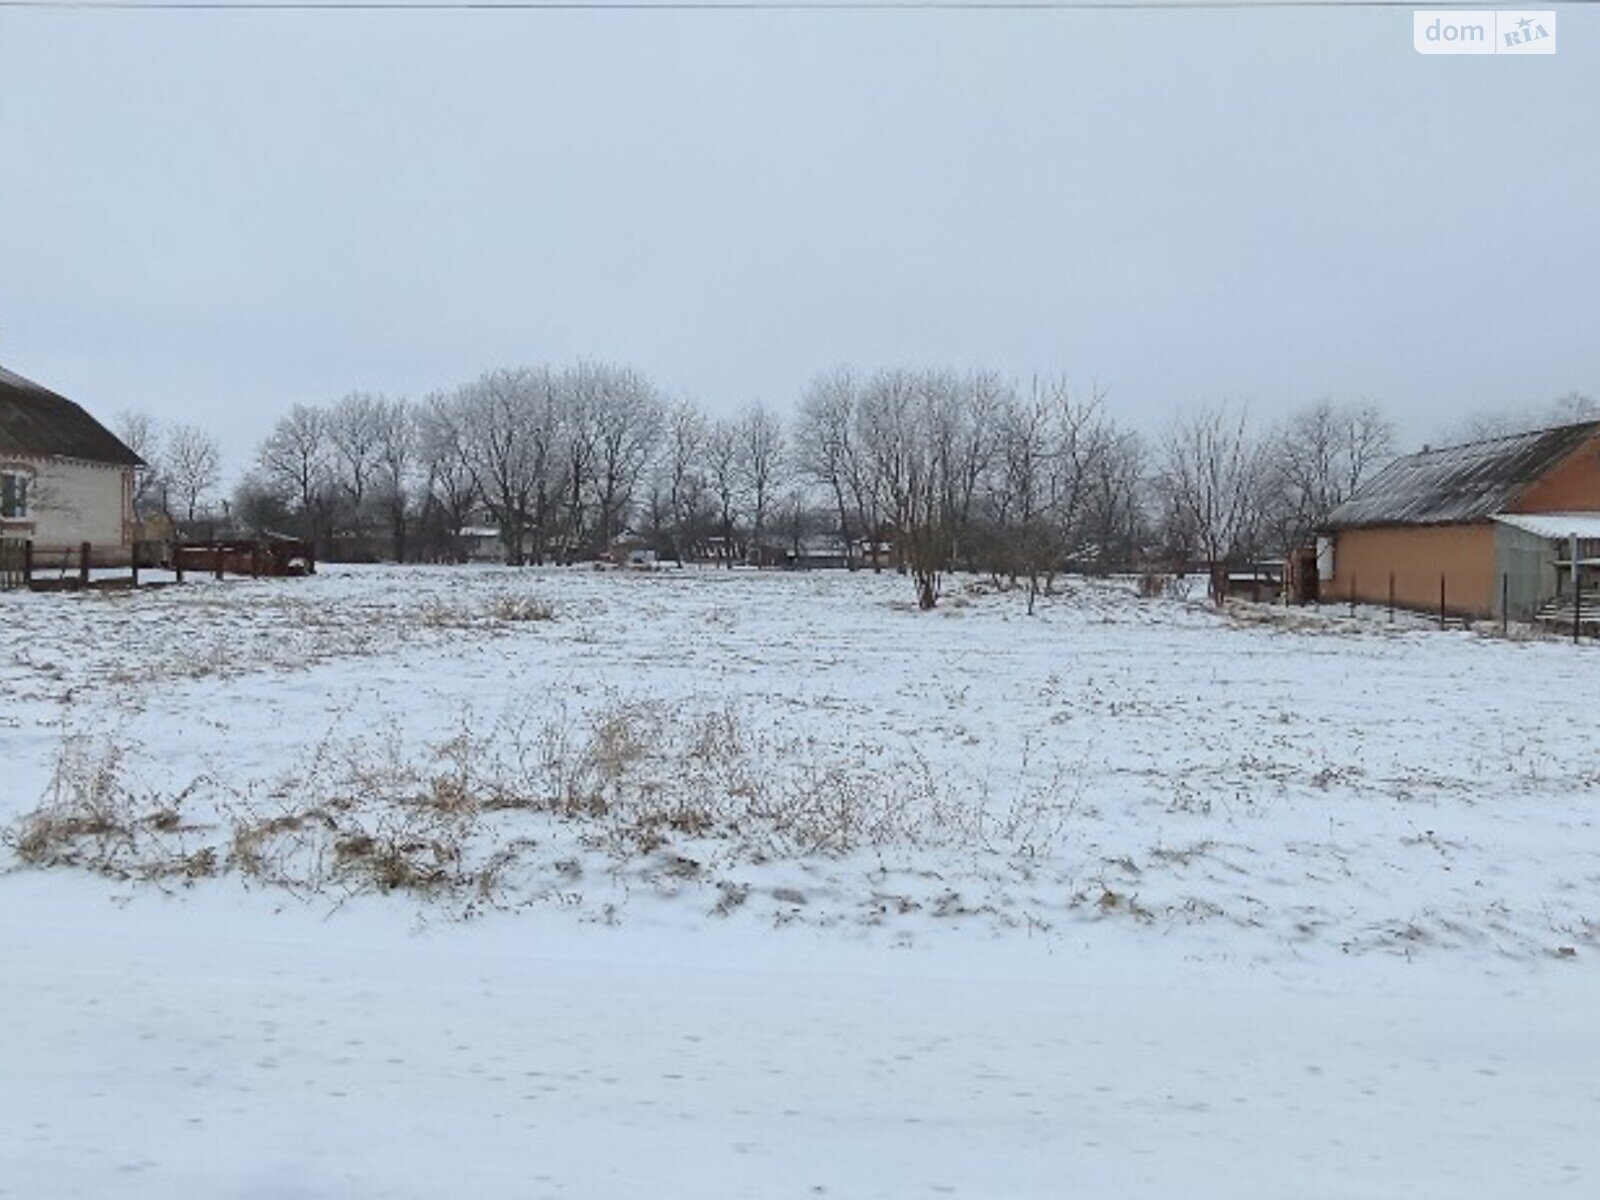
{"x":13,"y":564}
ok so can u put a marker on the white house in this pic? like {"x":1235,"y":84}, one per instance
{"x":65,"y":479}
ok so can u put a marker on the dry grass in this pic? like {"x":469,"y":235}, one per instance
{"x":679,"y":794}
{"x":96,"y":820}
{"x":522,"y":608}
{"x":391,"y":863}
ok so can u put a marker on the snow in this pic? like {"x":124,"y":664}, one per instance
{"x":1554,"y":525}
{"x":1156,"y":900}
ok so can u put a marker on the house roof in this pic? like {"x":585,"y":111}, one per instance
{"x":36,"y":421}
{"x":1459,"y":483}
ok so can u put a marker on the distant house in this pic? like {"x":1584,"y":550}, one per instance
{"x":481,"y":543}
{"x":1464,"y":528}
{"x":722,"y":551}
{"x":872,"y":552}
{"x":1256,"y":581}
{"x":818,"y":553}
{"x":628,"y":549}
{"x":65,"y":479}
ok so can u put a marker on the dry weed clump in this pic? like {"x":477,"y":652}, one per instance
{"x":389,"y":863}
{"x":506,"y":609}
{"x":523,"y":809}
{"x":95,"y":819}
{"x":88,"y":819}
{"x":522,"y":608}
{"x":436,"y":614}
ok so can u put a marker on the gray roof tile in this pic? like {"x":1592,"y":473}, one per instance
{"x":36,"y":421}
{"x":1459,"y":483}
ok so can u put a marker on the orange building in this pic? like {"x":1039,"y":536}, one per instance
{"x":1470,"y":530}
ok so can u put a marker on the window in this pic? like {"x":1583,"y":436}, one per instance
{"x":14,"y":495}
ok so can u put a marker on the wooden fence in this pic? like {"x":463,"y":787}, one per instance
{"x":274,"y":556}
{"x":13,"y":564}
{"x":22,"y":566}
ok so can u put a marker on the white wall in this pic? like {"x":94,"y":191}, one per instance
{"x":75,"y":502}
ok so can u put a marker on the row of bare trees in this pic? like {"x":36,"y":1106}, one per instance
{"x":183,"y":466}
{"x":969,"y":470}
{"x":1229,"y":492}
{"x":341,"y":475}
{"x":924,"y":471}
{"x":927,"y":471}
{"x":976,"y":472}
{"x":559,"y":462}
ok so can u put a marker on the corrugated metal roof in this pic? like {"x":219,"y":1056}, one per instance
{"x":1555,"y":525}
{"x":1459,"y":483}
{"x":36,"y":421}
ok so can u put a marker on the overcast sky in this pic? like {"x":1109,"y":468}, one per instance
{"x":211,"y":216}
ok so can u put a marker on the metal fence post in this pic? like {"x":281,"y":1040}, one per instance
{"x":1577,"y":589}
{"x":1577,"y":607}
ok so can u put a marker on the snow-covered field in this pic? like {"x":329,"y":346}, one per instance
{"x":565,"y":882}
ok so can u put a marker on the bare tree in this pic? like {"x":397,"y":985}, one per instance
{"x":578,"y":402}
{"x":683,"y":475}
{"x":1572,"y":408}
{"x":760,"y":438}
{"x":1568,"y":409}
{"x":501,"y":425}
{"x":191,"y":466}
{"x":798,"y":517}
{"x":1318,"y":459}
{"x":355,"y":428}
{"x":1211,"y":474}
{"x":1115,"y":516}
{"x":965,"y":414}
{"x":722,"y":467}
{"x":825,"y":443}
{"x":260,"y":506}
{"x":449,"y":487}
{"x":626,"y":420}
{"x":924,"y":456}
{"x":294,"y":463}
{"x":396,"y":458}
{"x":142,"y":433}
{"x":1051,"y":446}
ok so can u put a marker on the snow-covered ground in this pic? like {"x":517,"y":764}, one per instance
{"x":565,"y":882}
